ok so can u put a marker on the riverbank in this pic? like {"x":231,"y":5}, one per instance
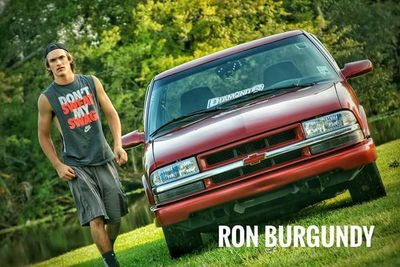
{"x":146,"y":247}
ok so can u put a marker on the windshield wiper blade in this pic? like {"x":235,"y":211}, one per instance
{"x":270,"y":92}
{"x":185,"y":118}
{"x":252,"y":96}
{"x":300,"y":85}
{"x":293,"y":86}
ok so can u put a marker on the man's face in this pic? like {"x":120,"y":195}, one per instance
{"x":58,"y":62}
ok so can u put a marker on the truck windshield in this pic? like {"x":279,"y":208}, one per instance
{"x":292,"y":62}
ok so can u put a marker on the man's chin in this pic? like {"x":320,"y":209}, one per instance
{"x":62,"y":73}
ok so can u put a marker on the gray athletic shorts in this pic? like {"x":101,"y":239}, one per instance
{"x":97,"y":193}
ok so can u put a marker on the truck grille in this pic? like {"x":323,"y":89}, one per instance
{"x":240,"y":151}
{"x":257,"y":167}
{"x":250,"y":147}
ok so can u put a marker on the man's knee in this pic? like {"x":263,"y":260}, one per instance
{"x":97,"y":222}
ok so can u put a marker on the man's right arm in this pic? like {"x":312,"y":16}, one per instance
{"x":44,"y":133}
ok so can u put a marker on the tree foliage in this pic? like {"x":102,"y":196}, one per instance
{"x":126,"y":43}
{"x":373,"y":32}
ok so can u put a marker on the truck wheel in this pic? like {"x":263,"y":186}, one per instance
{"x":181,"y":242}
{"x":367,"y":185}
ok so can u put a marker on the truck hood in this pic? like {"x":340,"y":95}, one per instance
{"x":245,"y":121}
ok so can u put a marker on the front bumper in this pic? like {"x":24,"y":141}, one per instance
{"x":346,"y":159}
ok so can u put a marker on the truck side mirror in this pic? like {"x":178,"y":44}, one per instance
{"x":132,"y":139}
{"x":357,"y":68}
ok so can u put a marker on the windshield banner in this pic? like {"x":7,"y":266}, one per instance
{"x":222,"y":99}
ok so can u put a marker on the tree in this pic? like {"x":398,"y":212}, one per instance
{"x":371,"y":30}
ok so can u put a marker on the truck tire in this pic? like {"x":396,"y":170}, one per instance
{"x":367,"y":185}
{"x":181,"y":242}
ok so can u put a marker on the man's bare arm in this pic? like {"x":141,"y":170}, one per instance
{"x":113,"y":121}
{"x":44,"y":134}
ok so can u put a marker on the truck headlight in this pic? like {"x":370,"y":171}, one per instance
{"x":328,"y":123}
{"x":174,"y":171}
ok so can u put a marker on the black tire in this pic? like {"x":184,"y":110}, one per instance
{"x":367,"y":185}
{"x":181,"y":242}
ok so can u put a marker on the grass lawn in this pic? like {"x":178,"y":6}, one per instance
{"x":146,"y":247}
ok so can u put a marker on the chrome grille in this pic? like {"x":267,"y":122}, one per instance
{"x":250,"y":147}
{"x":264,"y":164}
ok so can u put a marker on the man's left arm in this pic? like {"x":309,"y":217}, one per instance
{"x":113,"y":121}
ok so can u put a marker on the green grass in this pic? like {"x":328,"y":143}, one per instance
{"x":146,"y":247}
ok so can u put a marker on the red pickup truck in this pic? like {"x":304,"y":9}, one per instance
{"x":253,"y":131}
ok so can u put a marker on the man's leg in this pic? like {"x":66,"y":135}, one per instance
{"x":113,"y":231}
{"x":99,"y":235}
{"x":102,"y":241}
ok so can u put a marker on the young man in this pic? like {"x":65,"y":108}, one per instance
{"x":73,"y":102}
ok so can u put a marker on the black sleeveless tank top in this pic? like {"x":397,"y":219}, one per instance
{"x":78,"y":113}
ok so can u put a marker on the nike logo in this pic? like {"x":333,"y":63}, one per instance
{"x":87,"y":128}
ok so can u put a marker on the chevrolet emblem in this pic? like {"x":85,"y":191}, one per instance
{"x":254,"y":158}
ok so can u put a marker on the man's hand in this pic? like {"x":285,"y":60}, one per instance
{"x":65,"y":172}
{"x":120,"y":155}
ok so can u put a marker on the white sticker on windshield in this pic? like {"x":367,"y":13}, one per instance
{"x":323,"y":70}
{"x":222,"y":99}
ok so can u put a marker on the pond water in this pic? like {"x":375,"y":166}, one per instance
{"x":34,"y":244}
{"x":41,"y":242}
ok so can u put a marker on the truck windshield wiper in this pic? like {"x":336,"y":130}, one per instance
{"x":299,"y":85}
{"x":254,"y":96}
{"x":270,"y":91}
{"x":186,"y":118}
